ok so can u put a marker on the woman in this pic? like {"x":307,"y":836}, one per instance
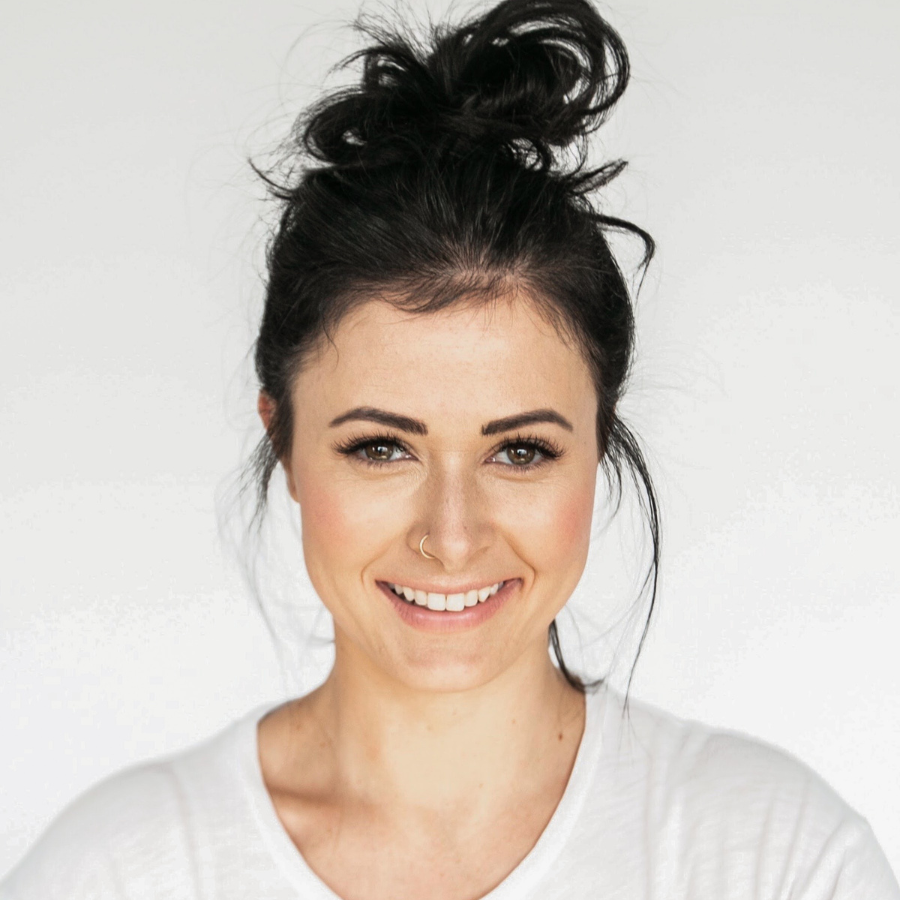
{"x":445,"y":341}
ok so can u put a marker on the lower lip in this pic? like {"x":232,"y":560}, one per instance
{"x":426,"y":619}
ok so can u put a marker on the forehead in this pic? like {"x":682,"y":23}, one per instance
{"x":484,"y":359}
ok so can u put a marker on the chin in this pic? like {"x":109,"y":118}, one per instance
{"x":454,"y":667}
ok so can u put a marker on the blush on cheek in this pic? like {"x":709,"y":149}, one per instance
{"x":343,"y":523}
{"x":565,"y":533}
{"x":330,"y":537}
{"x":321,"y":508}
{"x":552,"y":531}
{"x":324,"y":502}
{"x":332,"y":528}
{"x":578,"y":515}
{"x":569,"y":530}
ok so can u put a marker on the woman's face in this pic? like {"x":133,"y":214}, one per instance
{"x":405,"y":425}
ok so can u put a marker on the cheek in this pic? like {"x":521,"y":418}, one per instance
{"x":577,"y":511}
{"x":326,"y":515}
{"x":331,"y":534}
{"x":569,"y":531}
{"x":339,"y":519}
{"x":554,"y":529}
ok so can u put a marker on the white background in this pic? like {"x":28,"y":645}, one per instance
{"x":763,"y":142}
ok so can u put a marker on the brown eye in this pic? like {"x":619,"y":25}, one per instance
{"x":374,"y":451}
{"x":521,"y":454}
{"x":379,"y":451}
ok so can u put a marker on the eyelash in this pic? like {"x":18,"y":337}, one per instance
{"x":353,"y":445}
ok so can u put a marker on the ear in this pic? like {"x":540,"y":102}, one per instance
{"x":265,"y":406}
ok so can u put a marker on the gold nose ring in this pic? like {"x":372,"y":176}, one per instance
{"x":423,"y":551}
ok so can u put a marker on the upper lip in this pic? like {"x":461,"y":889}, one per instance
{"x":454,"y":589}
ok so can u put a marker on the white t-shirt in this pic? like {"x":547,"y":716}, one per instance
{"x":655,"y":809}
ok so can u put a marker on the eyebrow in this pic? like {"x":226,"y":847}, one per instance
{"x":416,"y":426}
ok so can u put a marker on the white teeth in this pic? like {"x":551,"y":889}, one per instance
{"x":449,"y":602}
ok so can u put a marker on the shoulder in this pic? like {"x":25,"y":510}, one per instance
{"x":730,"y":807}
{"x":691,"y":756}
{"x":100,"y":843}
{"x":134,"y":834}
{"x":697,"y":759}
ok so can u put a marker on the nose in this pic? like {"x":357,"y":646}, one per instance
{"x":455,"y":514}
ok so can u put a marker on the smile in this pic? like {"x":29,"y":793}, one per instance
{"x":445,"y":602}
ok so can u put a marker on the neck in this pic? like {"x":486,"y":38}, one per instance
{"x":390,"y":742}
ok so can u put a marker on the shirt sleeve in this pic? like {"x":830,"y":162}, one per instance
{"x":55,"y":871}
{"x":755,"y":822}
{"x":124,"y":839}
{"x":851,"y":866}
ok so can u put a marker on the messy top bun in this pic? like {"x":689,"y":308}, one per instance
{"x":525,"y":79}
{"x":456,"y":170}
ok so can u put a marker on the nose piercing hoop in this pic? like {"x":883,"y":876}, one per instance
{"x":423,"y":551}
